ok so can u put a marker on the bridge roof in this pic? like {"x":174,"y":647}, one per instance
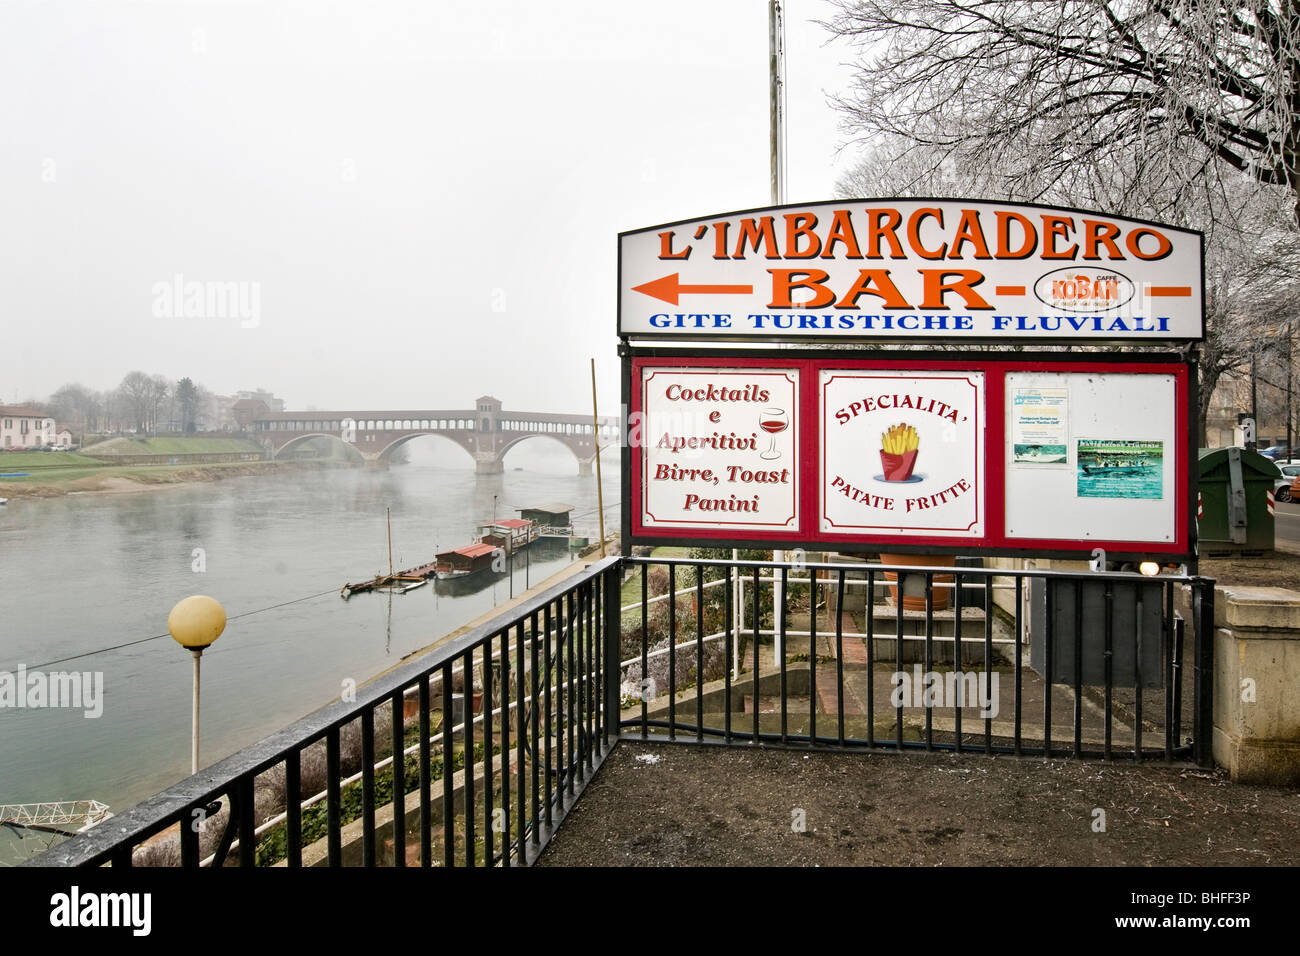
{"x":416,"y":413}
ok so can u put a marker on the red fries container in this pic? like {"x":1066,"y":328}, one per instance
{"x":898,"y":467}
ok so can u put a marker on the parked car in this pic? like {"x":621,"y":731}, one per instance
{"x":1278,"y":452}
{"x":1282,"y":488}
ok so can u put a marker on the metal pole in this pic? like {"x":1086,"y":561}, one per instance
{"x":194,"y":717}
{"x":776,"y":118}
{"x":775,"y":51}
{"x":738,"y":618}
{"x":595,"y":425}
{"x":1254,"y":410}
{"x":1203,"y":673}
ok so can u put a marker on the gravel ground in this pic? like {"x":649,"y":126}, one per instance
{"x":1275,"y":569}
{"x":684,"y":805}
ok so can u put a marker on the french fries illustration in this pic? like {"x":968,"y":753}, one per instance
{"x":899,"y":440}
{"x":898,"y":448}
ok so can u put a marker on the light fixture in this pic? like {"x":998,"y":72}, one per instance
{"x":195,"y":623}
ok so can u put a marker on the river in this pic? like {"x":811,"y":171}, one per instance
{"x":87,"y":572}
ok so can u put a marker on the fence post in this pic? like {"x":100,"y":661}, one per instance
{"x":1203,"y":672}
{"x":613,"y":583}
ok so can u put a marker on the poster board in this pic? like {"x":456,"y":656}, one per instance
{"x":1120,"y":437}
{"x":919,"y":451}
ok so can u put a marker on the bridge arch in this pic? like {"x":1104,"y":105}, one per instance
{"x":386,"y":452}
{"x":566,"y":441}
{"x":307,"y":436}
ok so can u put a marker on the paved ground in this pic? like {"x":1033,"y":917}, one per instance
{"x":683,"y":805}
{"x":1286,"y":526}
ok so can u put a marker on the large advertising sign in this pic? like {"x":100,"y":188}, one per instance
{"x":979,"y":453}
{"x":912,"y":269}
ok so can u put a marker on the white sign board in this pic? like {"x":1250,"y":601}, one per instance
{"x":902,"y":452}
{"x":935,"y":269}
{"x":1119,"y":478}
{"x":720,"y":449}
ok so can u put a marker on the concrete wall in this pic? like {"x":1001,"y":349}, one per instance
{"x":1257,"y":684}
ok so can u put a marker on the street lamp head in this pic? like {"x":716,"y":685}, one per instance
{"x":197,"y":621}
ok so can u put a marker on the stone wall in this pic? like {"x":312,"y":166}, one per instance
{"x":1257,"y":684}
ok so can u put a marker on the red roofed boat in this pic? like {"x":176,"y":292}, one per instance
{"x":460,"y":562}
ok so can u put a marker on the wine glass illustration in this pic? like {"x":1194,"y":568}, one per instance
{"x":773,"y":421}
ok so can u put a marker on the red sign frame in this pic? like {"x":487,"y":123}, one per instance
{"x":995,"y":367}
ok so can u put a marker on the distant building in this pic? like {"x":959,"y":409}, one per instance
{"x":1231,"y":397}
{"x":22,"y":427}
{"x":273,"y":404}
{"x":248,"y":410}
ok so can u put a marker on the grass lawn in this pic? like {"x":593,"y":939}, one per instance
{"x":31,"y":460}
{"x":175,"y":446}
{"x":145,"y":474}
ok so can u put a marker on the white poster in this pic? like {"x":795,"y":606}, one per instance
{"x":902,"y":452}
{"x":719,"y":449}
{"x":1040,"y":425}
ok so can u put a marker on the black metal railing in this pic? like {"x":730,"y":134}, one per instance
{"x":508,"y":722}
{"x":474,"y":753}
{"x":1088,"y":657}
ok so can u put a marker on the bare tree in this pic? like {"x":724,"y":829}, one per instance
{"x":160,"y":391}
{"x":74,"y":404}
{"x":1042,"y":92}
{"x":135,"y":394}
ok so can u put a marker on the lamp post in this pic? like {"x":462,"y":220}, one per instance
{"x":196,"y":623}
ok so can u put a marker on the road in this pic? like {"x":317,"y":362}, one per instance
{"x":1286,"y":530}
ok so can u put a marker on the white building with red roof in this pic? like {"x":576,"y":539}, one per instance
{"x":23,"y":427}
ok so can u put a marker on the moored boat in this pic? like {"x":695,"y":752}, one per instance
{"x":509,"y":534}
{"x":461,"y":562}
{"x":399,"y":582}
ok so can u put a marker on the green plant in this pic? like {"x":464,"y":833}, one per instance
{"x":315,"y":819}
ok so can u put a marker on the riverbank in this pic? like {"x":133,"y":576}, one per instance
{"x":126,"y":479}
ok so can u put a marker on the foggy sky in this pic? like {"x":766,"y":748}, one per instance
{"x":425,"y":196}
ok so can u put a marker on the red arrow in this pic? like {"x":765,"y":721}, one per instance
{"x":669,"y":289}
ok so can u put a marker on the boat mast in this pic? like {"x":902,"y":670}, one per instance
{"x":388,"y":513}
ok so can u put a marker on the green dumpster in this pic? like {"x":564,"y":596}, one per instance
{"x":1235,"y":507}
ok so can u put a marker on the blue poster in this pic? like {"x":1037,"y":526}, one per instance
{"x":1114,"y":468}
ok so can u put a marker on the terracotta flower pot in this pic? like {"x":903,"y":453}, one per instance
{"x":914,"y":584}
